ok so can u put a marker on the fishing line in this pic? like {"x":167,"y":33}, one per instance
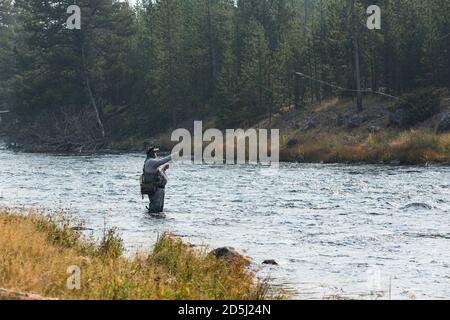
{"x":352,"y":90}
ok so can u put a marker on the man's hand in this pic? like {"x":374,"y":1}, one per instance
{"x":175,"y":156}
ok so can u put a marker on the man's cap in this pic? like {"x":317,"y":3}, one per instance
{"x":153,"y":149}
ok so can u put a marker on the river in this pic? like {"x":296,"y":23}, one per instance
{"x":335,"y":230}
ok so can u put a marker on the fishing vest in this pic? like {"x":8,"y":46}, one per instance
{"x":151,"y":182}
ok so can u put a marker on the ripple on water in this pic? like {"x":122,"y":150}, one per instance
{"x":319,"y":222}
{"x":417,"y":206}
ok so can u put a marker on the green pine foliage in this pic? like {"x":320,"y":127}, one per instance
{"x":152,"y":66}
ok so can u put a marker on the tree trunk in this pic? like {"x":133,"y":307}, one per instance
{"x":270,"y":98}
{"x":317,"y":86}
{"x":172,"y":103}
{"x":374,"y":76}
{"x":306,"y":17}
{"x":359,"y":100}
{"x":448,"y":68}
{"x":90,"y":94}
{"x":212,"y":47}
{"x":174,"y":118}
{"x":296,"y":91}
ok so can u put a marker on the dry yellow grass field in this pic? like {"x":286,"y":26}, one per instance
{"x":36,"y":251}
{"x":407,"y":147}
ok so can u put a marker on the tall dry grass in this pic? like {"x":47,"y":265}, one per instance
{"x":407,"y":147}
{"x":36,"y":251}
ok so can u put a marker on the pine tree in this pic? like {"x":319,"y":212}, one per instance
{"x":255,"y":72}
{"x":7,"y":60}
{"x":63,"y":68}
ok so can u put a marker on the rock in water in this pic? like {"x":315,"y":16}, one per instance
{"x":270,"y":262}
{"x":300,"y":159}
{"x":230,"y":254}
{"x":418,"y":206}
{"x":225,"y":253}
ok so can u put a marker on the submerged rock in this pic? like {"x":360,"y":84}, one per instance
{"x":418,"y":206}
{"x":270,"y":262}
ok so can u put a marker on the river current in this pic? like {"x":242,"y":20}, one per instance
{"x":335,"y":230}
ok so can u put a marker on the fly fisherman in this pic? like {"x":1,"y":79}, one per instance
{"x":154,"y":179}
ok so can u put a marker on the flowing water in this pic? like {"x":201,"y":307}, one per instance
{"x":353,"y":231}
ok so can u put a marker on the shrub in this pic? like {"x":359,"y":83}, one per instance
{"x":58,"y":229}
{"x":416,"y":107}
{"x":111,"y":245}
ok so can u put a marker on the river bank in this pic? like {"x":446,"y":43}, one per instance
{"x":412,"y":147}
{"x":38,"y":252}
{"x":325,"y":225}
{"x":328,"y":132}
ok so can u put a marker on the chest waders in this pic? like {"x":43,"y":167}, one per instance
{"x":154,"y":186}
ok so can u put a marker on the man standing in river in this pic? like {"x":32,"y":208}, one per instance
{"x":154,"y":179}
{"x":153,"y":163}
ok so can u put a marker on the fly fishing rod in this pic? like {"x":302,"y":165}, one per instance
{"x":352,"y":90}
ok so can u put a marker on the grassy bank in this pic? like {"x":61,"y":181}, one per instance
{"x":407,"y":147}
{"x":331,"y":132}
{"x":412,"y":147}
{"x":36,"y":251}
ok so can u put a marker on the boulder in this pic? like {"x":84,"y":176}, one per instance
{"x":270,"y":262}
{"x":311,"y":124}
{"x":374,"y":129}
{"x":355,"y":121}
{"x":444,"y":123}
{"x":300,"y":159}
{"x":225,"y":253}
